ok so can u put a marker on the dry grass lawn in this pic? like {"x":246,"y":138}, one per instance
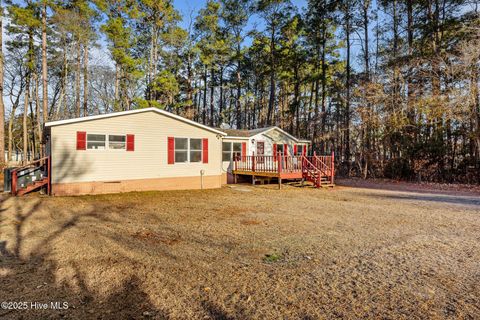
{"x":243,"y":253}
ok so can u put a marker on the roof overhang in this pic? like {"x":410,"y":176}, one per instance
{"x":236,"y":138}
{"x":129,"y":112}
{"x":283,"y":132}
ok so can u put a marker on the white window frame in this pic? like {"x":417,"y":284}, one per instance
{"x":233,"y":151}
{"x":117,"y":134}
{"x":187,"y":160}
{"x":188,"y":150}
{"x":229,"y":151}
{"x":97,"y":134}
{"x":283,"y":147}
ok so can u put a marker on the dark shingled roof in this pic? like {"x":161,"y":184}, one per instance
{"x":244,"y":133}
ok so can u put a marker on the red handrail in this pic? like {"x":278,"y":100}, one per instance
{"x":46,"y":162}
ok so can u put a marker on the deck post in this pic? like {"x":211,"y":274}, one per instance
{"x":279,"y":164}
{"x":253,"y":161}
{"x":332,"y":171}
{"x":279,"y":169}
{"x":14,"y":183}
{"x":49,"y":173}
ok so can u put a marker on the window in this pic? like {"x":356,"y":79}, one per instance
{"x":226,"y":151}
{"x":96,"y":141}
{"x":237,"y":149}
{"x":231,"y":149}
{"x":299,"y":149}
{"x":181,"y":149}
{"x":280,"y":148}
{"x":195,"y":150}
{"x":116,"y":142}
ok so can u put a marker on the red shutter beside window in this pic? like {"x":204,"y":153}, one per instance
{"x":171,"y":150}
{"x":304,"y":149}
{"x":205,"y":150}
{"x":244,"y":149}
{"x":81,"y":140}
{"x":274,"y":151}
{"x":294,"y":149}
{"x":285,"y":149}
{"x":130,"y":142}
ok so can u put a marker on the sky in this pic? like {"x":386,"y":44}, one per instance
{"x":191,"y":7}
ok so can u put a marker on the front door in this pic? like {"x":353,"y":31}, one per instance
{"x":260,"y":151}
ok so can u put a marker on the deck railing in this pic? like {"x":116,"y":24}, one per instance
{"x":43,"y":164}
{"x":284,"y":163}
{"x":279,"y":163}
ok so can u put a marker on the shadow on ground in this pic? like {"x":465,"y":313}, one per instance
{"x":28,"y":274}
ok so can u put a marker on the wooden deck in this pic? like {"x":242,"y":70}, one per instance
{"x":286,"y":168}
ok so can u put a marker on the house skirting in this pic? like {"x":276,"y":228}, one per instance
{"x":102,"y":187}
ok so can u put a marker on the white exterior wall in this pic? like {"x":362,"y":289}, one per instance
{"x":149,"y":160}
{"x":227,"y":166}
{"x":270,"y":138}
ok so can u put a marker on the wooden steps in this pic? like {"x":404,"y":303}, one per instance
{"x":33,"y":186}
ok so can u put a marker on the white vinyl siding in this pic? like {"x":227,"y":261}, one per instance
{"x":149,"y":160}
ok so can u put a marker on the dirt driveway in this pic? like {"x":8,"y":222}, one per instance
{"x":242,"y":253}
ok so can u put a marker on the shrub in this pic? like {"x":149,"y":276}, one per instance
{"x":398,"y":168}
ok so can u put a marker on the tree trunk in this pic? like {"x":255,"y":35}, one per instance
{"x":117,"y":88}
{"x":238,"y":114}
{"x":296,"y":101}
{"x":324,"y":91}
{"x":347,"y":87}
{"x":204,"y":110}
{"x":44,"y":62}
{"x":2,"y":107}
{"x":77,"y":80}
{"x":212,"y":92}
{"x":37,"y":113}
{"x":271,"y":101}
{"x":220,"y":111}
{"x":85,"y":80}
{"x":24,"y":122}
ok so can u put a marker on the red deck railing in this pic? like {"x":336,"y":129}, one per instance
{"x":40,"y":163}
{"x":279,"y":163}
{"x":286,"y":164}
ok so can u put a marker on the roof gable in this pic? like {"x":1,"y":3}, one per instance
{"x":129,"y":112}
{"x":245,"y":134}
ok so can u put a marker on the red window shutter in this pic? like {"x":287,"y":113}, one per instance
{"x":171,"y":150}
{"x":205,"y":150}
{"x":274,"y":152}
{"x":81,"y":140}
{"x":130,"y":142}
{"x":285,"y":149}
{"x":244,"y":149}
{"x":305,"y":150}
{"x":294,"y":149}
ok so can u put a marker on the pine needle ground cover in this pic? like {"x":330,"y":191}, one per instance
{"x":231,"y":254}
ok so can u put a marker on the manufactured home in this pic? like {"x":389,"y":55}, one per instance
{"x":152,"y":149}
